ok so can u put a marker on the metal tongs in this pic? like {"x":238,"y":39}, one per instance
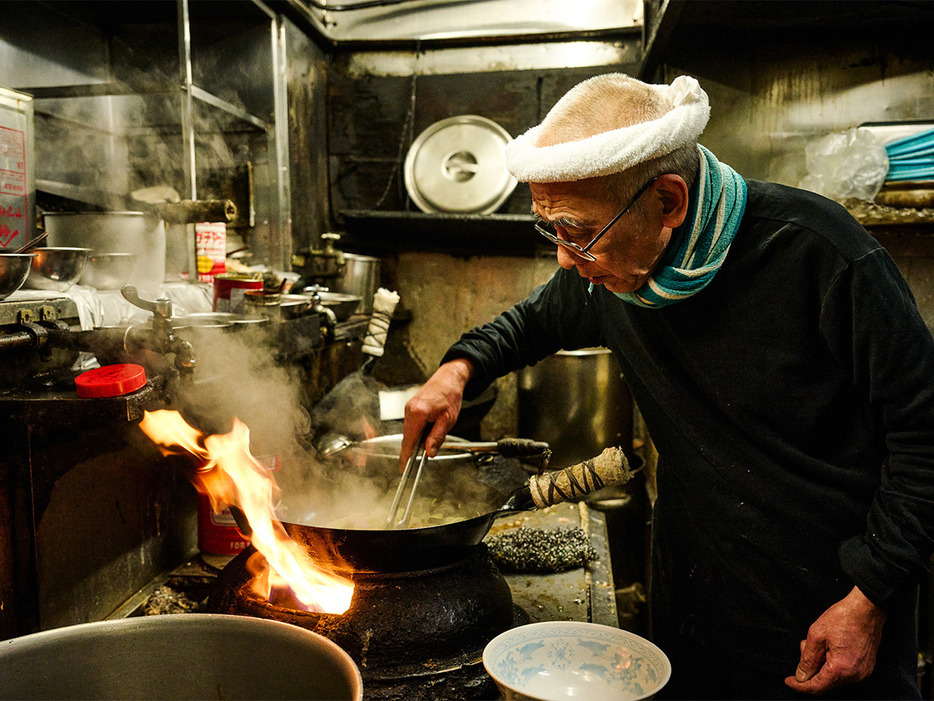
{"x":420,"y":455}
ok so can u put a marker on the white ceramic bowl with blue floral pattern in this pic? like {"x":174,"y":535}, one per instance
{"x":557,"y":660}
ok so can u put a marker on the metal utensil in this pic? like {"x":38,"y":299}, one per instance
{"x":333,"y":444}
{"x":29,"y":245}
{"x":421,"y":456}
{"x":109,"y":271}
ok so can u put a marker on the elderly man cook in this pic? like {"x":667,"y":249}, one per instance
{"x":783,"y":371}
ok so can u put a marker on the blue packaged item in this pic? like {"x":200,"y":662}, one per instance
{"x":912,"y":157}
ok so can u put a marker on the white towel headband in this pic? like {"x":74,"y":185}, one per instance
{"x":612,"y":151}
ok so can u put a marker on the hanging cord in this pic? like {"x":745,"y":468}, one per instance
{"x":407,"y":128}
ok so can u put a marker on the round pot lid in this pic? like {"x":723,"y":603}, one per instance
{"x":459,"y":165}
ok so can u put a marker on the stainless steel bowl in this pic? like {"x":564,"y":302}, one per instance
{"x":183,"y":656}
{"x":108,"y":271}
{"x":55,"y":268}
{"x":342,"y":304}
{"x":294,"y":306}
{"x":114,"y":232}
{"x":14,"y":269}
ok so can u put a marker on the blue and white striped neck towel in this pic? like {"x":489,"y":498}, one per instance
{"x":699,"y":246}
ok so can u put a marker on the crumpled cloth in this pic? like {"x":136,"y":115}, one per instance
{"x":611,"y":151}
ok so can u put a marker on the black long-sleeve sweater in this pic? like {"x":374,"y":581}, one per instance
{"x":792,"y":405}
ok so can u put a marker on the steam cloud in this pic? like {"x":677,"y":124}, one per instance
{"x":237,"y":376}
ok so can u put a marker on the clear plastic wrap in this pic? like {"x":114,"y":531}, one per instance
{"x":845,"y":165}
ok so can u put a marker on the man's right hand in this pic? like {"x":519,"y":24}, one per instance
{"x":438,"y":402}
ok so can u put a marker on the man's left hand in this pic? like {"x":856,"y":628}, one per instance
{"x":841,"y":646}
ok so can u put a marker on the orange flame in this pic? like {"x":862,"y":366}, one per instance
{"x":230,"y":475}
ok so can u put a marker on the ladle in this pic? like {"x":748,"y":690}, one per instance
{"x":32,"y":244}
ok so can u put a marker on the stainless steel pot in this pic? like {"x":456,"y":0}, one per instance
{"x":183,"y":656}
{"x":115,"y":232}
{"x":360,"y":278}
{"x":578,"y":401}
{"x":109,"y":271}
{"x":294,"y":306}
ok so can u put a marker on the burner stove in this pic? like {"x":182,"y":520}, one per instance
{"x":415,"y":635}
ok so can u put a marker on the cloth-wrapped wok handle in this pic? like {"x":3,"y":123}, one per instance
{"x":609,"y":468}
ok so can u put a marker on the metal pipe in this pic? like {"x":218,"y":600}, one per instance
{"x":18,"y":340}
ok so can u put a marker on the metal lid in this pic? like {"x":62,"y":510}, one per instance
{"x":459,"y":165}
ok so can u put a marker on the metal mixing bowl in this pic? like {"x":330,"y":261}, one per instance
{"x":182,"y":656}
{"x":14,"y":268}
{"x":343,"y":305}
{"x":56,"y":268}
{"x":108,"y":271}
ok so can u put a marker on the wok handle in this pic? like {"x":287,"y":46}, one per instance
{"x":508,"y":447}
{"x":609,"y":468}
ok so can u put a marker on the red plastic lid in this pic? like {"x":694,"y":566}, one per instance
{"x":110,"y":380}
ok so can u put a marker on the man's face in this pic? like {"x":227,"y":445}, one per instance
{"x":626,"y":255}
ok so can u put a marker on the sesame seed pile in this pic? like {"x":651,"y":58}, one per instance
{"x":536,"y":550}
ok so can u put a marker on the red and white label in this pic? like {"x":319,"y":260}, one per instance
{"x":13,"y":195}
{"x":211,"y":249}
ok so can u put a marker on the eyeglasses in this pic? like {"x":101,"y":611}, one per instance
{"x":548,"y":230}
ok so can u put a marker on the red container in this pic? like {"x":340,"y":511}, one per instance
{"x":218,"y":533}
{"x":229,"y":289}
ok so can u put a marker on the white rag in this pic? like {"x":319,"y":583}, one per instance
{"x":612,"y":151}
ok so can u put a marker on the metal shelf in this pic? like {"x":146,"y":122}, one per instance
{"x":165,"y":89}
{"x":378,"y":233}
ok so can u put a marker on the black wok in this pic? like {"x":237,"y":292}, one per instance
{"x":393,"y":550}
{"x":345,"y":549}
